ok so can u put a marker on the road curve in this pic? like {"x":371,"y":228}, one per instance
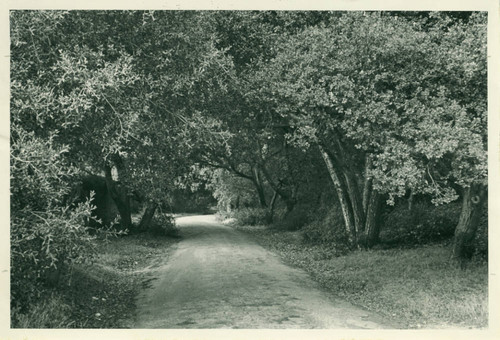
{"x":217,"y":277}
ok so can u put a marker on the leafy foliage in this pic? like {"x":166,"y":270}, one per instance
{"x":241,"y":103}
{"x":164,"y":225}
{"x":380,"y":86}
{"x":423,"y":224}
{"x":231,"y":191}
{"x":293,"y":220}
{"x":251,"y":216}
{"x":327,"y":230}
{"x":46,"y":233}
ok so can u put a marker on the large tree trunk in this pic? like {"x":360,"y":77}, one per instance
{"x":261,"y":195}
{"x":360,"y":209}
{"x":472,"y":204}
{"x":372,"y":226}
{"x":148,"y":215}
{"x":342,"y":196}
{"x":410,"y":200}
{"x":120,"y":198}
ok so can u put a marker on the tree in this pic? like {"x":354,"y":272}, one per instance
{"x":47,"y":233}
{"x":254,"y":148}
{"x":111,"y":93}
{"x":129,"y":69}
{"x":369,"y":89}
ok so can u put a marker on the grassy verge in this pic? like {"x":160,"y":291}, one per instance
{"x":417,"y":287}
{"x":101,"y":295}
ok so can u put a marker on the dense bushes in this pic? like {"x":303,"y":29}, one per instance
{"x":163,"y":225}
{"x":185,"y":201}
{"x":251,"y":216}
{"x":400,"y":227}
{"x":293,"y":220}
{"x":327,"y":230}
{"x":47,"y":235}
{"x":423,"y":224}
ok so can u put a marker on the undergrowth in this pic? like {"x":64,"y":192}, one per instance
{"x":418,"y":287}
{"x":102,"y":294}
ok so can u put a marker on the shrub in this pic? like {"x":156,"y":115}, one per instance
{"x":164,"y":225}
{"x":222,"y":215}
{"x":47,"y":235}
{"x":42,"y":247}
{"x":251,"y":216}
{"x":293,"y":220}
{"x":423,"y":224}
{"x":327,"y":230}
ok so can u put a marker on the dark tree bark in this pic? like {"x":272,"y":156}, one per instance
{"x":288,"y":198}
{"x":372,"y":225}
{"x":120,"y":198}
{"x":410,"y":200}
{"x":367,"y":184}
{"x":257,"y":181}
{"x":271,"y":206}
{"x":148,"y":215}
{"x":472,"y":204}
{"x":360,"y":204}
{"x":356,"y":203}
{"x":261,"y":194}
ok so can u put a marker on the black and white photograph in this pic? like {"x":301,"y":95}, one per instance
{"x":249,"y":169}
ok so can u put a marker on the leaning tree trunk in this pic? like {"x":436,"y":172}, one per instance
{"x":360,"y":209}
{"x":148,"y":215}
{"x":342,"y":196}
{"x":120,"y":198}
{"x":356,"y":203}
{"x":271,"y":206}
{"x":290,"y":199}
{"x":257,"y":181}
{"x":472,"y":204}
{"x":262,"y":195}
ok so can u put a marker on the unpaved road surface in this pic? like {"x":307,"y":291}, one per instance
{"x":217,"y":277}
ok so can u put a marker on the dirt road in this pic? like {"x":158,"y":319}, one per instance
{"x":219,"y":278}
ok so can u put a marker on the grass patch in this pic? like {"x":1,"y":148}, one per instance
{"x":417,"y":287}
{"x":100,"y":295}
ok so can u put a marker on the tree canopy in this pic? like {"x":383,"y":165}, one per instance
{"x":279,"y":111}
